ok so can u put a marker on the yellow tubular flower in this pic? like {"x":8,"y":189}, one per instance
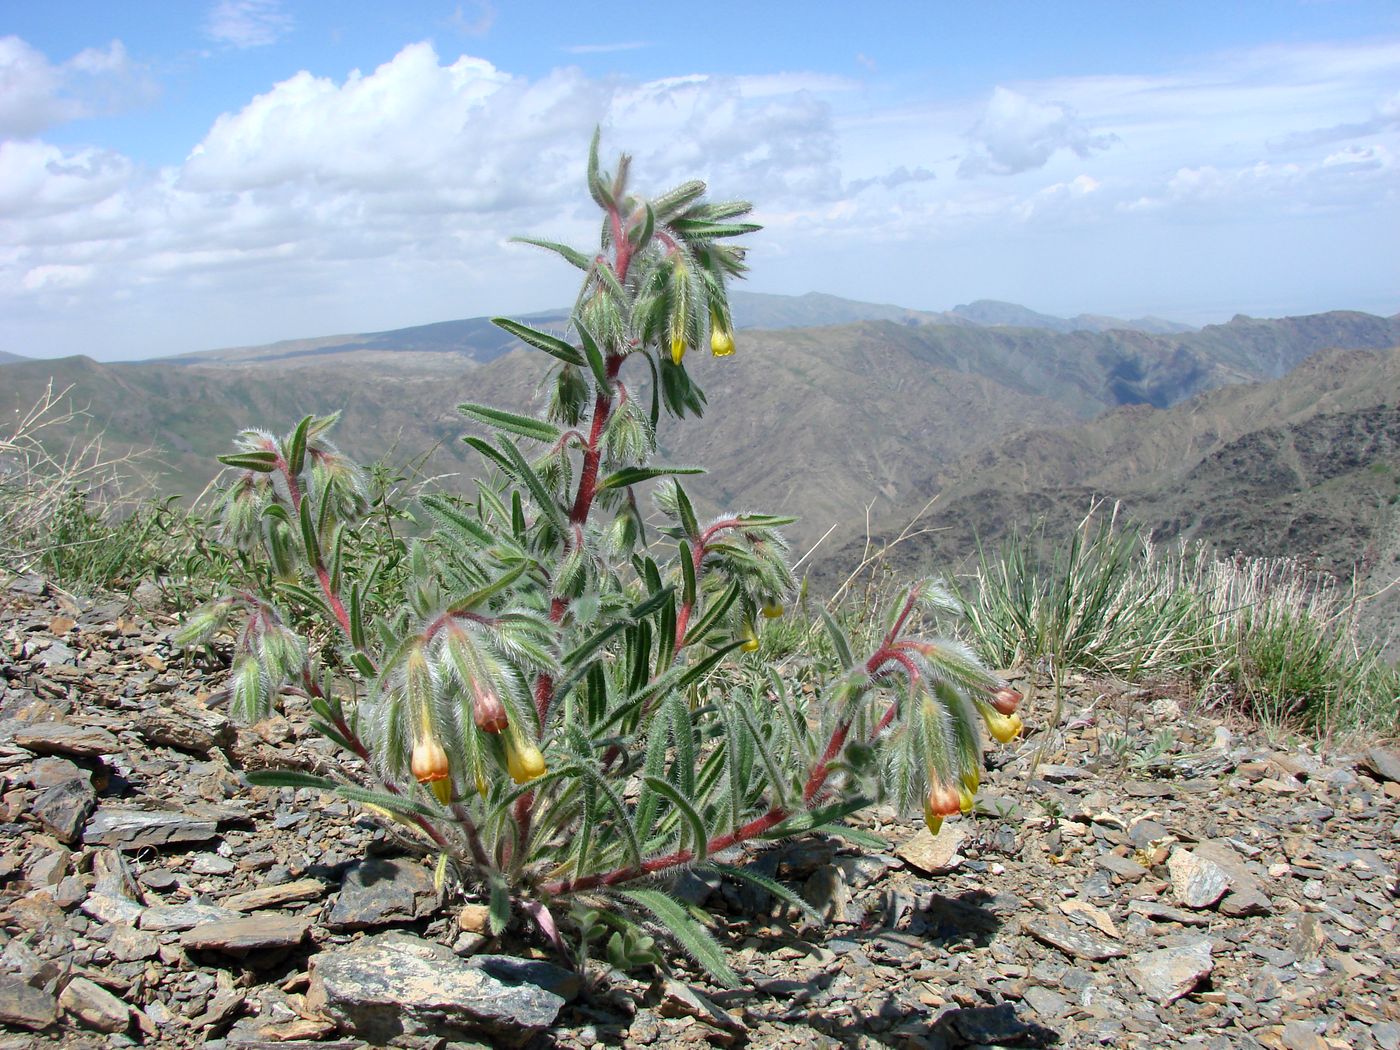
{"x":524,"y":762}
{"x":750,"y":639}
{"x":941,"y":801}
{"x":677,"y":349}
{"x":972,"y":780}
{"x":430,"y":768}
{"x":772,"y":610}
{"x":721,"y":340}
{"x":1004,"y":728}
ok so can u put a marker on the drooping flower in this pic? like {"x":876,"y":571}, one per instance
{"x":772,"y":609}
{"x":677,"y":349}
{"x":1006,"y":700}
{"x":1004,"y":728}
{"x":431,"y":768}
{"x":721,"y":340}
{"x":942,"y":801}
{"x":524,"y":761}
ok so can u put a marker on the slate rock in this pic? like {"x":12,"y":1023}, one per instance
{"x":92,"y":1006}
{"x":1384,"y":762}
{"x":25,"y":1006}
{"x":1197,"y":881}
{"x":64,"y":807}
{"x":994,"y":1026}
{"x":508,"y":969}
{"x":60,"y":738}
{"x":126,"y":828}
{"x":187,"y":726}
{"x":276,"y":896}
{"x":1166,"y":975}
{"x":378,"y":891}
{"x":1078,"y":943}
{"x":168,"y":918}
{"x":1122,"y":867}
{"x":934,"y":854}
{"x":681,"y":1000}
{"x":255,"y":933}
{"x":394,"y":986}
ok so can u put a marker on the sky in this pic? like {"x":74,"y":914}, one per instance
{"x":180,"y":177}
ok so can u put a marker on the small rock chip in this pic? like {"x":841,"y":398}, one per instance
{"x":92,"y":1006}
{"x":127,"y":944}
{"x":187,"y":726}
{"x":1196,"y":881}
{"x":1047,"y":1003}
{"x":1122,"y":867}
{"x":129,"y":829}
{"x":63,"y":808}
{"x":25,"y":1006}
{"x":1079,"y":944}
{"x":256,"y":933}
{"x":397,"y":985}
{"x":681,"y":1000}
{"x":1159,"y":912}
{"x":376,"y":892}
{"x":1165,"y":976}
{"x":934,"y":854}
{"x":474,"y":918}
{"x":60,"y":738}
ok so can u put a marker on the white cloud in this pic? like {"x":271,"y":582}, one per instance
{"x":1016,"y":133}
{"x":35,"y":94}
{"x":247,"y":23}
{"x":386,"y":197}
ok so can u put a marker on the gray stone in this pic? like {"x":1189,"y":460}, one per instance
{"x":1047,"y":1003}
{"x":113,"y":908}
{"x":211,"y":864}
{"x":127,"y":944}
{"x":129,"y":829}
{"x":1197,"y":881}
{"x":1300,"y":1035}
{"x":165,"y":918}
{"x":681,"y":1000}
{"x":395,"y":986}
{"x":1122,"y":867}
{"x":509,"y":970}
{"x":60,"y":738}
{"x":376,"y":892}
{"x":92,"y":1006}
{"x":992,"y":1026}
{"x":255,"y":933}
{"x":1159,"y":912}
{"x":1241,"y":903}
{"x":1165,"y":976}
{"x":56,"y":654}
{"x":24,"y":1006}
{"x":1386,"y":1034}
{"x":63,"y":807}
{"x":187,"y":726}
{"x":934,"y":854}
{"x":1384,"y":762}
{"x":1143,"y":833}
{"x":1078,"y":943}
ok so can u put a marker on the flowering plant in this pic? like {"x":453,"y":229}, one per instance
{"x":566,"y":702}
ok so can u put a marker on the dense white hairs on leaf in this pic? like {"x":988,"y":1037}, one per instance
{"x":953,"y":661}
{"x":965,"y":726}
{"x":934,"y":596}
{"x":253,"y":440}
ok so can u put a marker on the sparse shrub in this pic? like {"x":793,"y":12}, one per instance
{"x":564,"y":703}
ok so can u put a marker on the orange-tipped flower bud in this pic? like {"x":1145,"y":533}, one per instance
{"x":942,"y":799}
{"x":721,"y":341}
{"x":430,"y":767}
{"x":523,"y":763}
{"x":1006,"y":700}
{"x":488,"y":712}
{"x":1004,"y":728}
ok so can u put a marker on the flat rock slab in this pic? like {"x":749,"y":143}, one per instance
{"x":165,"y":918}
{"x":255,"y":933}
{"x":64,"y":808}
{"x":509,"y":970}
{"x":60,"y":738}
{"x":1159,"y":912}
{"x":395,"y":985}
{"x":92,"y":1006}
{"x":1165,"y":976}
{"x":1080,"y":944}
{"x":376,"y":892}
{"x":276,"y":896}
{"x":1197,"y":881}
{"x":934,"y":854}
{"x":126,"y":829}
{"x":25,"y":1006}
{"x":1384,"y":762}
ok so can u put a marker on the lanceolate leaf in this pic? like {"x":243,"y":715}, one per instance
{"x":693,"y":938}
{"x":777,"y":889}
{"x":524,"y":426}
{"x":632,"y":475}
{"x":259,"y":462}
{"x":594,"y":354}
{"x":288,"y":778}
{"x":550,"y":344}
{"x":574,"y":256}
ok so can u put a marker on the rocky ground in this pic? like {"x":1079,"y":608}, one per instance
{"x":1159,"y":880}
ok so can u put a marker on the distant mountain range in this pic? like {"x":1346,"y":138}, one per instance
{"x":1216,"y":434}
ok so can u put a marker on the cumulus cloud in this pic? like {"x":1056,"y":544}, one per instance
{"x":1016,"y":133}
{"x":36,"y":94}
{"x":247,"y":23}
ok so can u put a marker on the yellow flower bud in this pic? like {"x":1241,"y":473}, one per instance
{"x":1004,"y":728}
{"x":480,"y":784}
{"x":442,"y":790}
{"x":677,"y":349}
{"x":750,"y":639}
{"x":972,"y":780}
{"x":721,"y":341}
{"x":772,"y":610}
{"x":965,"y":800}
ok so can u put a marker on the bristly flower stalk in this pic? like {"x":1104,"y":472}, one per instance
{"x":560,"y":698}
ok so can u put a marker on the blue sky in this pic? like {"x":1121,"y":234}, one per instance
{"x":176,"y":177}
